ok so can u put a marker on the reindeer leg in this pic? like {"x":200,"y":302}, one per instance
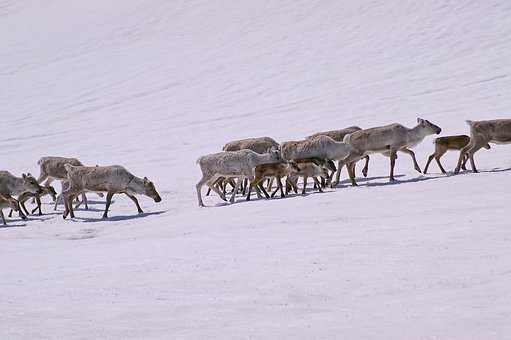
{"x":134,"y":199}
{"x":22,"y":206}
{"x":109,"y":196}
{"x":238,"y":183}
{"x":318,"y":184}
{"x":462,"y":155}
{"x":392,"y":164}
{"x":252,"y":185}
{"x":437,"y":159}
{"x":199,"y":185}
{"x":304,"y":184}
{"x":3,"y":217}
{"x":281,"y":188}
{"x":68,"y":204}
{"x":365,"y":170}
{"x":471,"y":153}
{"x":412,"y":154}
{"x":464,"y":165}
{"x":38,"y":201}
{"x":351,"y":173}
{"x":263,"y":190}
{"x":340,"y":164}
{"x":274,"y":192}
{"x":84,"y":200}
{"x":430,"y":158}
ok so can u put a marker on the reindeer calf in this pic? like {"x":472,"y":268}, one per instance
{"x":6,"y":201}
{"x":443,"y":144}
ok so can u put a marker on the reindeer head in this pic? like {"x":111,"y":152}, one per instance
{"x":426,"y":124}
{"x":48,"y":189}
{"x":150,"y":190}
{"x":275,"y":154}
{"x":30,"y":183}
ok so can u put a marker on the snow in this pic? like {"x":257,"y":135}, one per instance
{"x":154,"y":85}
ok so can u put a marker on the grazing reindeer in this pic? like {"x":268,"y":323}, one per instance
{"x":53,"y":168}
{"x":113,"y":180}
{"x":26,"y":195}
{"x":231,"y":164}
{"x":308,"y":168}
{"x":6,"y":201}
{"x":338,"y":136}
{"x":387,"y":140}
{"x":11,"y":185}
{"x":482,"y":132}
{"x":443,"y":144}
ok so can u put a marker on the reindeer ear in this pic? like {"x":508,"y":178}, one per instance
{"x":146,"y":180}
{"x":23,"y":176}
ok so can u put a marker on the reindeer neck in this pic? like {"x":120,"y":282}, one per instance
{"x":18,"y":186}
{"x":135,"y":185}
{"x":417,"y":134}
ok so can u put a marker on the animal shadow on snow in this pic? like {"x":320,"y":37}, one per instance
{"x":470,"y":172}
{"x":12,"y":224}
{"x":347,"y":181}
{"x":117,"y":218}
{"x":397,"y":182}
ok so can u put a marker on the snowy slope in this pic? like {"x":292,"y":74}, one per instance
{"x":154,"y":85}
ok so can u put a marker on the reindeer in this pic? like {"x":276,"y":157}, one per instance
{"x":26,"y":195}
{"x":6,"y":201}
{"x":11,"y":185}
{"x":308,"y":168}
{"x":231,"y":164}
{"x":443,"y":144}
{"x":482,"y":132}
{"x":53,"y":168}
{"x":338,"y":136}
{"x":387,"y":140}
{"x":258,"y":144}
{"x":322,"y":147}
{"x":272,"y":170}
{"x":112,"y":179}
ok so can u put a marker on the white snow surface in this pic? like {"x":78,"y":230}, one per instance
{"x":153,"y":85}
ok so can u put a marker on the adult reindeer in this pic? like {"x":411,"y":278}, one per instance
{"x":53,"y":168}
{"x":482,"y":132}
{"x":387,"y":140}
{"x":338,"y":136}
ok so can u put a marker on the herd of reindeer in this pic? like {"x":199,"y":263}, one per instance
{"x":76,"y":180}
{"x":252,"y":164}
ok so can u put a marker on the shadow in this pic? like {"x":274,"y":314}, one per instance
{"x":10,"y":225}
{"x":495,"y":170}
{"x":39,"y":218}
{"x":90,"y":209}
{"x":411,"y":180}
{"x":94,"y":202}
{"x":469,"y":172}
{"x":365,"y":179}
{"x":118,"y":218}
